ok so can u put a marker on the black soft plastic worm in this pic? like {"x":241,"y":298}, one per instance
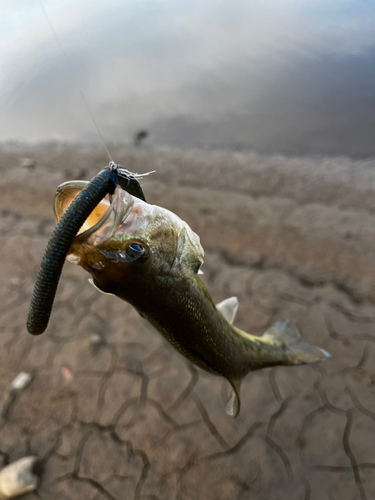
{"x":64,"y":234}
{"x":59,"y":244}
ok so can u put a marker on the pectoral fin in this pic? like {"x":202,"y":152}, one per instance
{"x":189,"y":255}
{"x":228,"y":308}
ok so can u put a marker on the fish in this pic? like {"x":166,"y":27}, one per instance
{"x":149,"y":257}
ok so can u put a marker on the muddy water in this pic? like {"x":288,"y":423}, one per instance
{"x":294,"y":77}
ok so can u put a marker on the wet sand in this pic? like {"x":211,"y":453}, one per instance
{"x":114,"y":412}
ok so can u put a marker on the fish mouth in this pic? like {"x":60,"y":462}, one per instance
{"x":103,"y":221}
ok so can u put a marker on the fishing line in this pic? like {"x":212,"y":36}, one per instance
{"x":72,"y":220}
{"x":69,"y":66}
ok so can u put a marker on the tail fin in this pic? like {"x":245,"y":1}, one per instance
{"x":297,"y":352}
{"x":286,"y":349}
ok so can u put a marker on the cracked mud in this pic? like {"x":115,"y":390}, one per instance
{"x":113,"y":412}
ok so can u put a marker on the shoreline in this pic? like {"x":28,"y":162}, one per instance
{"x":315,"y":220}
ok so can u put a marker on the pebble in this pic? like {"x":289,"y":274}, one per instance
{"x":21,"y":381}
{"x":67,"y":374}
{"x":27,"y":163}
{"x":19,"y":478}
{"x":96,"y":339}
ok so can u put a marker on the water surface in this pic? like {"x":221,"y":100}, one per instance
{"x":280,"y":76}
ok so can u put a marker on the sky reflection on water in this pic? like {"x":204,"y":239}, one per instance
{"x":280,"y":76}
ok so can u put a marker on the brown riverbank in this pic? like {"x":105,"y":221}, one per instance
{"x":292,"y":238}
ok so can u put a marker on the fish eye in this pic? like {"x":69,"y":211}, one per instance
{"x":135,"y":251}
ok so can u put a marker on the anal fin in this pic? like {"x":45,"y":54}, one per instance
{"x":233,"y":404}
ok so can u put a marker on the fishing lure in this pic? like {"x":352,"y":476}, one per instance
{"x":103,"y":183}
{"x":63,"y":235}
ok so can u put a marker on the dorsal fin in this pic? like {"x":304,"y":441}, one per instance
{"x":95,"y":285}
{"x":228,"y":308}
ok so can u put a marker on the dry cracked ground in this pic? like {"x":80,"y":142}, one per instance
{"x":113,"y":412}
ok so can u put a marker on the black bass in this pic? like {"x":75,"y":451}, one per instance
{"x":149,"y":257}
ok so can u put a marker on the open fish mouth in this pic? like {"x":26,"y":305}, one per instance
{"x":103,"y":221}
